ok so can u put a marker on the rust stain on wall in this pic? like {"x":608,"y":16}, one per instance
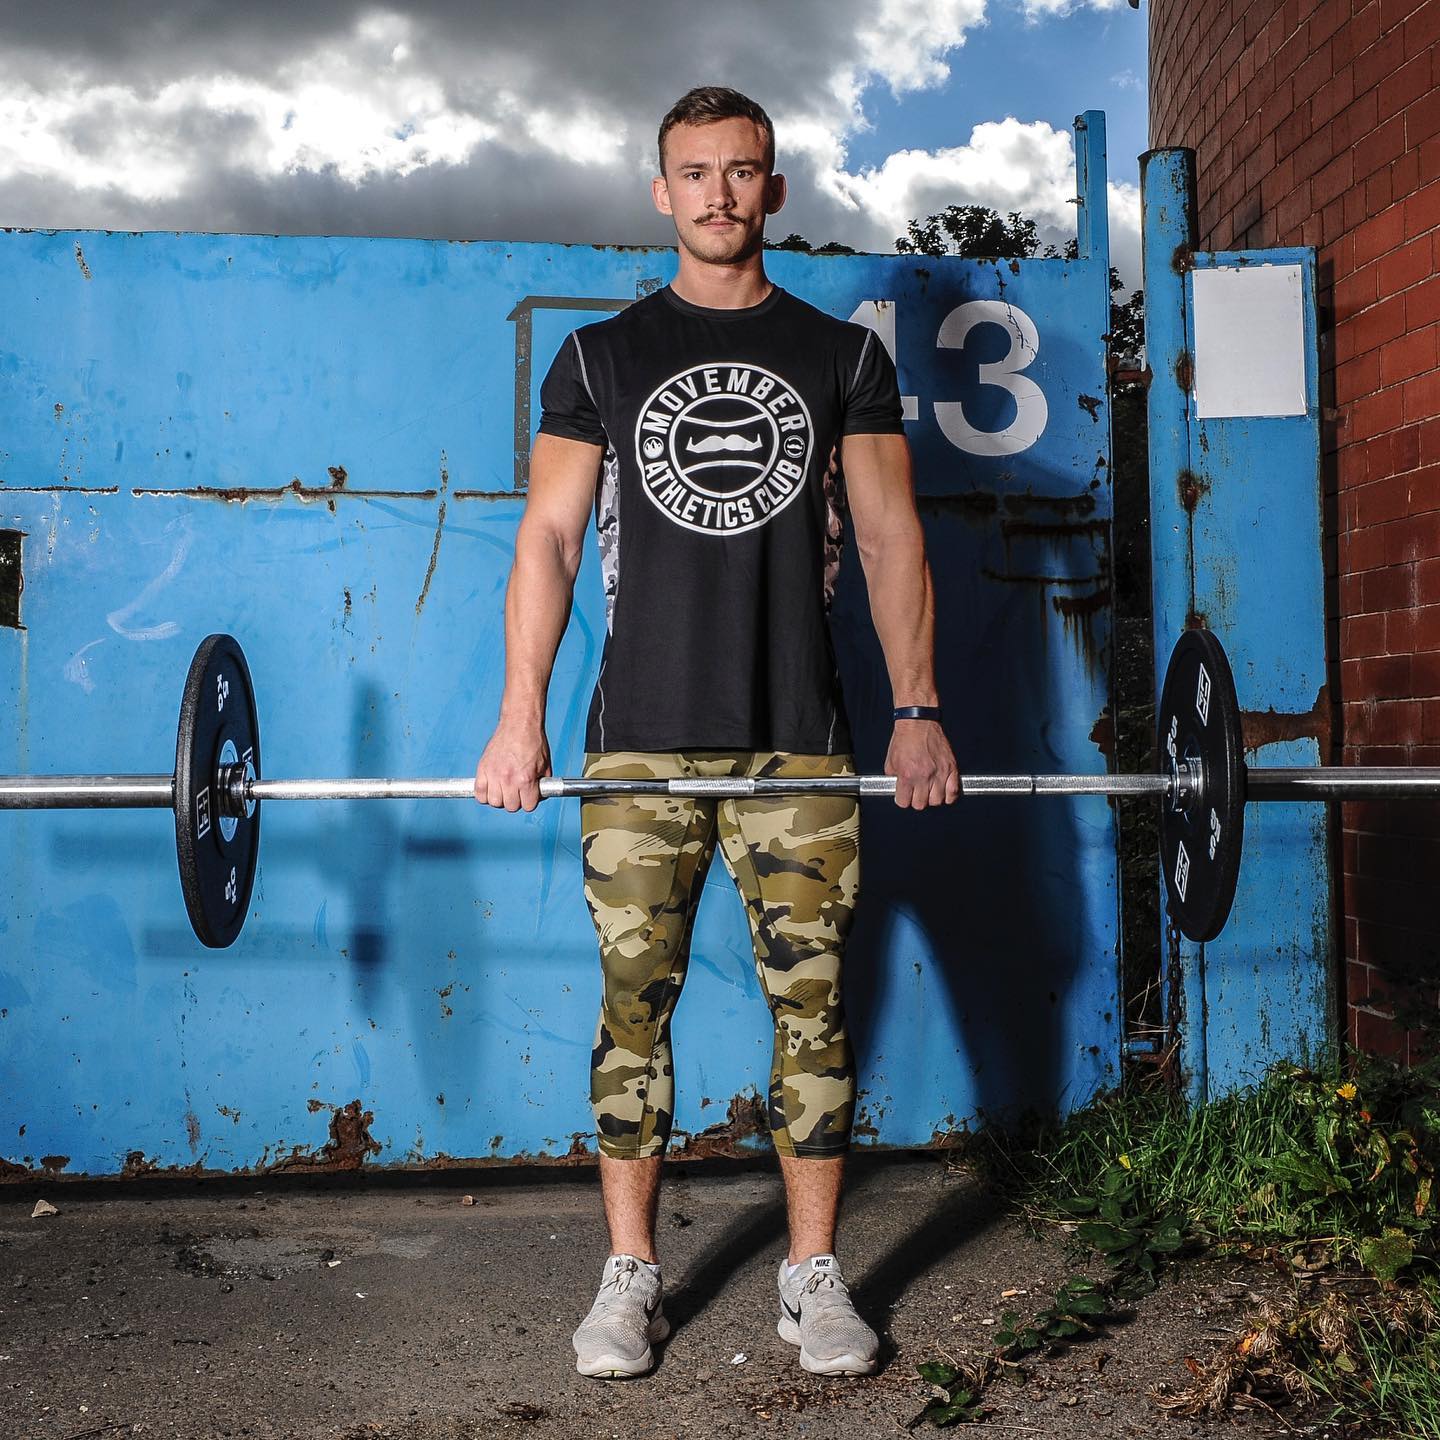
{"x":1185,"y":372}
{"x":1081,"y":504}
{"x":1077,"y":613}
{"x":1193,"y":489}
{"x":348,"y":1147}
{"x":970,"y":503}
{"x":1271,"y":727}
{"x":1055,"y":529}
{"x":745,"y":1119}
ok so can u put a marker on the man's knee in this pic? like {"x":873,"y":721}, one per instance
{"x":811,"y":1113}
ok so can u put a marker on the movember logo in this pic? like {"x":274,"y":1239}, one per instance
{"x":722,"y":448}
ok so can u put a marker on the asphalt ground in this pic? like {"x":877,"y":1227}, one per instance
{"x":383,"y":1305}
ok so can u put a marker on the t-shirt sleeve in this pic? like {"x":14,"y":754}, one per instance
{"x":872,"y":403}
{"x":567,"y":407}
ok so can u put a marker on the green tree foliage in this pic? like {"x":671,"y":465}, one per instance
{"x":798,"y":242}
{"x":975,"y":232}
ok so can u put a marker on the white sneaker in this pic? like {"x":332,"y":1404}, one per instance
{"x":613,"y":1341}
{"x":816,"y":1313}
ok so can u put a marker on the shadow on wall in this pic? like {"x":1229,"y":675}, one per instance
{"x":1003,"y":891}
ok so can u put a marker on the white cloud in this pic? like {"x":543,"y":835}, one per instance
{"x":1048,"y":9}
{"x":1008,"y":165}
{"x":905,"y":44}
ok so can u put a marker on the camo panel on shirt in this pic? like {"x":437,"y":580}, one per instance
{"x":795,"y":861}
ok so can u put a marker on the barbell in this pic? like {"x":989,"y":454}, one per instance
{"x":217,"y":787}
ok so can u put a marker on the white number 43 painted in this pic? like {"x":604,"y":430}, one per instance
{"x":1031,"y":410}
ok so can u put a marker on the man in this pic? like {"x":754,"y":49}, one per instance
{"x":703,"y":424}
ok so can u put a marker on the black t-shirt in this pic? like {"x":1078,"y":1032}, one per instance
{"x":719,"y":511}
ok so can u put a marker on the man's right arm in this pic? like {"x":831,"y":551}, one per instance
{"x":548,"y":547}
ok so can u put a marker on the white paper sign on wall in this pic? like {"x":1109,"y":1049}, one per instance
{"x":1249,"y":341}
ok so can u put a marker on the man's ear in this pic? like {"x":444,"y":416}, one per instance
{"x":776,"y":194}
{"x":660,"y":194}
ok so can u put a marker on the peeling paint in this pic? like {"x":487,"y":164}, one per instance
{"x":60,"y":489}
{"x":349,"y":1144}
{"x":80,"y":261}
{"x":745,"y":1120}
{"x":242,"y":493}
{"x":1102,"y":734}
{"x":1090,"y":404}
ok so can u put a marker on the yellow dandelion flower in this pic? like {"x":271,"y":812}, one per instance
{"x":1346,"y":1091}
{"x":1125,"y":1161}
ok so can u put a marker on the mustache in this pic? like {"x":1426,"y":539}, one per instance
{"x":711,"y":443}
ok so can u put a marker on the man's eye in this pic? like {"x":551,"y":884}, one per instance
{"x":743,"y":174}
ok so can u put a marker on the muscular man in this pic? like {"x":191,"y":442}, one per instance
{"x":718,"y":428}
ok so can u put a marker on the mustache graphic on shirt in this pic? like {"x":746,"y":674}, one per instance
{"x":713,"y":443}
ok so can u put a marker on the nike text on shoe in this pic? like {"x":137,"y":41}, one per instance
{"x":613,"y":1341}
{"x":816,"y":1313}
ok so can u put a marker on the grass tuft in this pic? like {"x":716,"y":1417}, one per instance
{"x":1331,"y":1169}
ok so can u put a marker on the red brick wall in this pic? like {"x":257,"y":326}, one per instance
{"x":1319,"y":124}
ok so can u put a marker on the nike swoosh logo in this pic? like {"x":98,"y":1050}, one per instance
{"x":793,"y":1314}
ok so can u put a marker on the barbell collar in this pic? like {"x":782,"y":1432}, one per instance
{"x":87,"y":792}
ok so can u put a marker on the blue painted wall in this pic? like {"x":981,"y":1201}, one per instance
{"x":312,"y":444}
{"x":1235,"y":508}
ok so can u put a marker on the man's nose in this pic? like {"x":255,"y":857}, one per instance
{"x":719,"y":195}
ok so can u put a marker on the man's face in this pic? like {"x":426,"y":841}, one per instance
{"x":718,"y":189}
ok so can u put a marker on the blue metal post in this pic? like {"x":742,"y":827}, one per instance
{"x":1167,"y":183}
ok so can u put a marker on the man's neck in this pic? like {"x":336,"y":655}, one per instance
{"x":721,"y":287}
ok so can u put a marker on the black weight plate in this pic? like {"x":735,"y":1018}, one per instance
{"x":1200,"y":844}
{"x":218,"y":854}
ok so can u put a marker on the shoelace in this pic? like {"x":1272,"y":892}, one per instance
{"x":624,"y":1273}
{"x":822,"y":1277}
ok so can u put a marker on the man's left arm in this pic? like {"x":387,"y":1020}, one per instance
{"x":891,"y":543}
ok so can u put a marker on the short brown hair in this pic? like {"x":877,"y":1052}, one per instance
{"x":707,"y":103}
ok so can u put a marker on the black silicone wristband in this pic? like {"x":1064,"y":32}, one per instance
{"x":916,"y":712}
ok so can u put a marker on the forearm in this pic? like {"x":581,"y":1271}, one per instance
{"x":902,"y":605}
{"x":537,"y":608}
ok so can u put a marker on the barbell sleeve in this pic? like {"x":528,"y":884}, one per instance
{"x":87,"y":792}
{"x":1335,"y":782}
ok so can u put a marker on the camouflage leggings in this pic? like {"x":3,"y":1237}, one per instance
{"x":796,"y":863}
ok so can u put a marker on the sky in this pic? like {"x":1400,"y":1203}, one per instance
{"x":474,"y":119}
